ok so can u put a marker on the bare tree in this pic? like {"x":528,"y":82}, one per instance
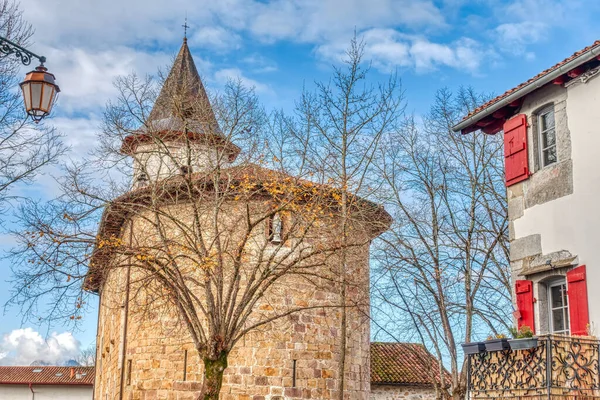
{"x":199,"y":238}
{"x":25,"y":147}
{"x":443,"y":267}
{"x":87,"y":357}
{"x":339,"y":127}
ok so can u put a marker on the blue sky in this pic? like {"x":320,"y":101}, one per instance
{"x":277,"y":47}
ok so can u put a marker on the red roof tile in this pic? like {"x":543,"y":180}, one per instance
{"x":535,"y":78}
{"x":44,"y":375}
{"x":404,"y":364}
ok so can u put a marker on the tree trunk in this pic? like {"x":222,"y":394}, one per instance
{"x":213,"y":377}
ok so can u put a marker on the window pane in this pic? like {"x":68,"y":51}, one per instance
{"x":549,"y":156}
{"x":547,"y":120}
{"x":566,"y":310}
{"x":556,"y":296}
{"x":558,"y":321}
{"x":548,"y":138}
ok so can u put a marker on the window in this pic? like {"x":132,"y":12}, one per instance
{"x":185,"y":365}
{"x":128,"y":381}
{"x":185,"y":170}
{"x":547,"y":136}
{"x":559,"y":307}
{"x":294,"y":373}
{"x":142,"y":178}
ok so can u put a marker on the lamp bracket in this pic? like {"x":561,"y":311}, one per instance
{"x":7,"y":47}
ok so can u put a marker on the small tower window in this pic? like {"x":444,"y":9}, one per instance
{"x":276,"y":229}
{"x":128,"y":381}
{"x":142,"y":179}
{"x":185,"y":169}
{"x":294,"y":373}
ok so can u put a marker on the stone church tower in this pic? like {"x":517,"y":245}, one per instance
{"x":147,"y":354}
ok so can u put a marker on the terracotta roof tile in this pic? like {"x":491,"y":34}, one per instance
{"x":403,"y":364}
{"x":535,"y":78}
{"x":47,"y":375}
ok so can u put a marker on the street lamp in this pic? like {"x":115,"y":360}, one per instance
{"x":39,"y":88}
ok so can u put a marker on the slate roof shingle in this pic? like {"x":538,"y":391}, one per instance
{"x":47,"y":375}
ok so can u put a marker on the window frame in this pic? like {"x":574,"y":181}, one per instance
{"x":565,"y":307}
{"x":540,"y":135}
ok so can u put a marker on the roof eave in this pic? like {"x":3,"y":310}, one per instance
{"x":525,"y":90}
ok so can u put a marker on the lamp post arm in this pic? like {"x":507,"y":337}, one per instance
{"x":7,"y":47}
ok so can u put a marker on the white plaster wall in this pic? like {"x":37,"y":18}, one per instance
{"x":161,"y":162}
{"x":46,"y":392}
{"x":397,"y":392}
{"x":573,"y":222}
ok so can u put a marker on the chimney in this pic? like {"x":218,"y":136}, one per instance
{"x":72,"y":372}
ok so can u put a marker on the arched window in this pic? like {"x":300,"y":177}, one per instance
{"x":142,"y":179}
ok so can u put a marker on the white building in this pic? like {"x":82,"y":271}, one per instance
{"x":46,"y":383}
{"x":551,"y":128}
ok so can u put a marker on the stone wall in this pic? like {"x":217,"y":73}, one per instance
{"x":157,"y":346}
{"x":402,"y":392}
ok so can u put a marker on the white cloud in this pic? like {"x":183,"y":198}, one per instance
{"x":86,"y":77}
{"x":116,"y":22}
{"x":24,"y":346}
{"x":527,"y":22}
{"x":514,"y":37}
{"x":215,"y":37}
{"x":260,"y":64}
{"x":389,"y":49}
{"x":224,"y":75}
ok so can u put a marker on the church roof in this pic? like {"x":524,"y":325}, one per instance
{"x":182,"y":93}
{"x":182,"y":107}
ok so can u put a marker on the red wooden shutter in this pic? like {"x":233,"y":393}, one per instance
{"x":524,"y":292}
{"x":515,"y":149}
{"x":578,"y":301}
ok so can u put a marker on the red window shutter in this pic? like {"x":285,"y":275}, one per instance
{"x":578,"y":301}
{"x":515,"y":149}
{"x":524,"y":292}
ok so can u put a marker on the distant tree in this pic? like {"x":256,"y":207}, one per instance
{"x":442,"y":269}
{"x":87,"y":357}
{"x":25,"y":147}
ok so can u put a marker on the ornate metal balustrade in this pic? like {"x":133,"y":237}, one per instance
{"x":561,"y":367}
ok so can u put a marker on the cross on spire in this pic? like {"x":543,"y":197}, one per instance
{"x":185,"y":28}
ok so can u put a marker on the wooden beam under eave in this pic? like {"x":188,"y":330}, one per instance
{"x":560,"y":80}
{"x":575,"y":72}
{"x":494,"y":128}
{"x":501,"y":113}
{"x":469,"y":129}
{"x":516,"y":103}
{"x":486,"y":121}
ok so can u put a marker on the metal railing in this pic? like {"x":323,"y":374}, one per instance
{"x":560,"y":367}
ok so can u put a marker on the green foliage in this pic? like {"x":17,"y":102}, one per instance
{"x":522,"y":333}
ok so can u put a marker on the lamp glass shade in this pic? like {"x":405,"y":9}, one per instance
{"x":39,"y":92}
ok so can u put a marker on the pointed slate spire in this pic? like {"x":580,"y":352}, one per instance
{"x":182,"y":101}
